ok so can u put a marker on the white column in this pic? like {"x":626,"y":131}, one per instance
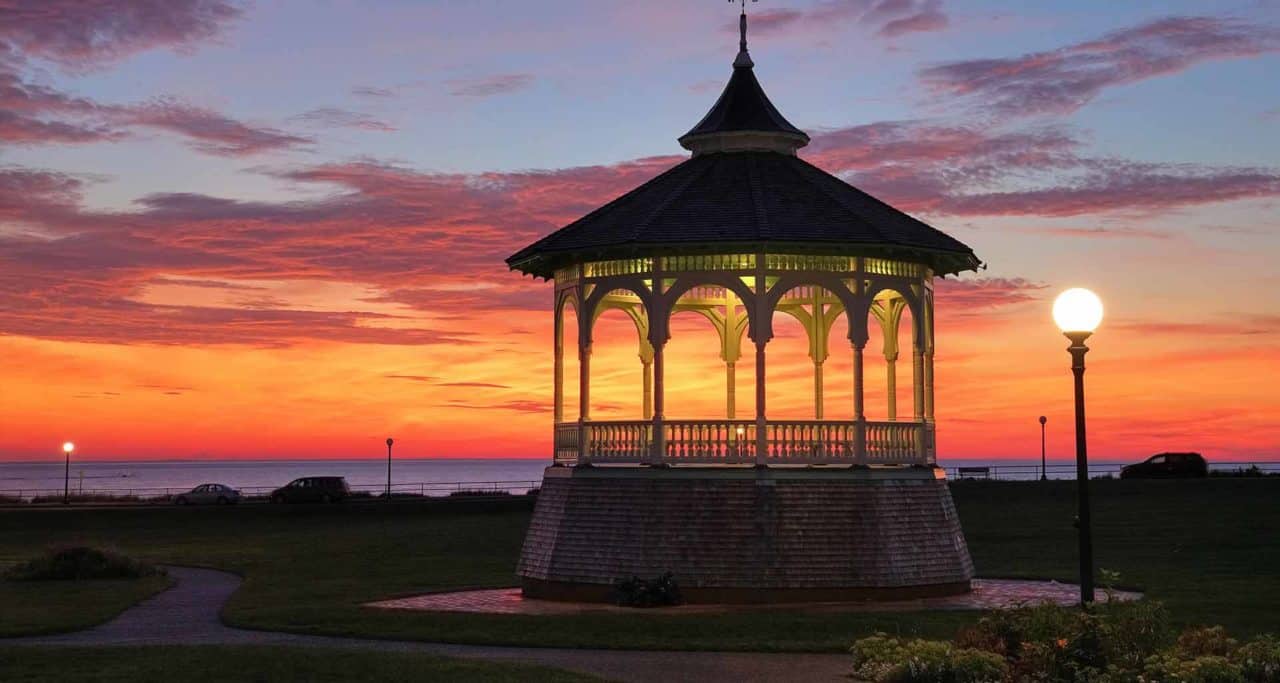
{"x":731,"y":390}
{"x":859,"y":413}
{"x":817,"y":390}
{"x":762,"y":437}
{"x":891,"y":382}
{"x":928,"y":359}
{"x":917,"y":381}
{"x":659,"y":406}
{"x":647,"y":370}
{"x":584,"y":400}
{"x":558,"y":391}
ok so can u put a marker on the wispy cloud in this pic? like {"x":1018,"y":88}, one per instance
{"x":344,"y":118}
{"x":1063,"y":80}
{"x":488,"y":86}
{"x":887,"y":18}
{"x":86,"y":35}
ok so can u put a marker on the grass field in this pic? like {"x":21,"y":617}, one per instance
{"x":1206,"y":548}
{"x":242,"y":663}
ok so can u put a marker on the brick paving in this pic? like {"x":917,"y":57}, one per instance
{"x":986,"y":594}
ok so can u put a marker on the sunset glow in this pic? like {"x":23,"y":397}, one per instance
{"x":226,"y":232}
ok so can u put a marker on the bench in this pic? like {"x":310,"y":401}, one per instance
{"x":974,"y":472}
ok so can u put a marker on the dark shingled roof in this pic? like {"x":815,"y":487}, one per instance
{"x":744,"y":190}
{"x":744,"y":201}
{"x":743,"y":106}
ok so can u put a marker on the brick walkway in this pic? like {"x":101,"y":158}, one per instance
{"x":986,"y":594}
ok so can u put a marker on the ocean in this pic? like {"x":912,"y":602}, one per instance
{"x":435,"y":476}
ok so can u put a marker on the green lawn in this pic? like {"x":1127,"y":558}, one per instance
{"x":1207,"y":548}
{"x":242,"y":663}
{"x":32,"y":607}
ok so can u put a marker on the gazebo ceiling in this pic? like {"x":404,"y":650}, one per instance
{"x":744,"y":189}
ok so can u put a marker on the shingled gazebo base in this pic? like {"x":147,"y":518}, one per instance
{"x":746,"y":535}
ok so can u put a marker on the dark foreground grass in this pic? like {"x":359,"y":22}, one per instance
{"x":246,"y":663}
{"x":1206,"y":548}
{"x":39,"y":607}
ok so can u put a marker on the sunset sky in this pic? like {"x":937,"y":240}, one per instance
{"x":277,"y":229}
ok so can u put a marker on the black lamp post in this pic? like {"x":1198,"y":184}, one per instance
{"x":66,"y":473}
{"x":389,"y":442}
{"x":1078,"y":312}
{"x":1043,"y":420}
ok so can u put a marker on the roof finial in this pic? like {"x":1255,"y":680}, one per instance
{"x":743,"y":59}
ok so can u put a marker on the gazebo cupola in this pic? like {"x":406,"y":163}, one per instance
{"x":742,"y":229}
{"x":743,"y":118}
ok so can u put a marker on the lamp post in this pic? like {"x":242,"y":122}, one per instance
{"x":1043,"y":420}
{"x":389,"y":442}
{"x":67,"y":447}
{"x":1078,"y":312}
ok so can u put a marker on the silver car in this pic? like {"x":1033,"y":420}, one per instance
{"x":208,"y":494}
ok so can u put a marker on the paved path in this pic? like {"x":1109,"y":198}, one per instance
{"x":188,"y":614}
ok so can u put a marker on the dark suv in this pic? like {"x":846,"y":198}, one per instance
{"x":312,"y":490}
{"x":1167,"y":466}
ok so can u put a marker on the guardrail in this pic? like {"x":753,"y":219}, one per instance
{"x":1061,"y":470}
{"x":433,"y":489}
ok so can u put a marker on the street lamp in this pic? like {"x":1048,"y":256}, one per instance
{"x":1078,"y":312}
{"x":389,"y":442}
{"x":1043,"y":420}
{"x":67,"y":447}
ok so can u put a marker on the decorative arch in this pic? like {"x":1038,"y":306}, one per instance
{"x":831,"y":283}
{"x":876,"y":285}
{"x":684,"y":283}
{"x":602,"y":288}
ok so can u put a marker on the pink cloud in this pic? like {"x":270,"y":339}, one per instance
{"x":81,"y":34}
{"x":887,"y":18}
{"x":1063,"y":80}
{"x":207,"y":130}
{"x":488,"y":86}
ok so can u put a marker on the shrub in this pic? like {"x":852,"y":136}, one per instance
{"x":1259,"y":659}
{"x":80,"y":562}
{"x":637,"y":592}
{"x":1169,"y":668}
{"x":1205,"y":641}
{"x":884,"y":659}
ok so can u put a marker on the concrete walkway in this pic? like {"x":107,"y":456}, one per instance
{"x":187,"y":614}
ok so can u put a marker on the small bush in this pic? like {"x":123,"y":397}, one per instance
{"x":1205,"y":641}
{"x":78,"y":563}
{"x":637,"y":592}
{"x":884,"y":659}
{"x":1259,"y":659}
{"x":1169,"y":668}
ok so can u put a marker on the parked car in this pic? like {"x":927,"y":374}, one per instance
{"x":1167,"y":466}
{"x":208,"y":494}
{"x":312,"y":490}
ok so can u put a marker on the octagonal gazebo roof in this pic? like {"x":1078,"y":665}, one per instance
{"x":744,"y":189}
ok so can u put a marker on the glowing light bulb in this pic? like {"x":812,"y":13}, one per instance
{"x":1077,"y":310}
{"x":68,"y":447}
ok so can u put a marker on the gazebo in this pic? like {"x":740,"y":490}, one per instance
{"x":747,"y":508}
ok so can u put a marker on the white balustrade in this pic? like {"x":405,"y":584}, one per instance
{"x":733,"y":442}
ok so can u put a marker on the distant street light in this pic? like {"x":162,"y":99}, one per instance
{"x":1078,"y":312}
{"x":389,"y":442}
{"x":1043,"y":420}
{"x":67,"y":447}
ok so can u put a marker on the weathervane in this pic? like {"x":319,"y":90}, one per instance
{"x":743,"y":59}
